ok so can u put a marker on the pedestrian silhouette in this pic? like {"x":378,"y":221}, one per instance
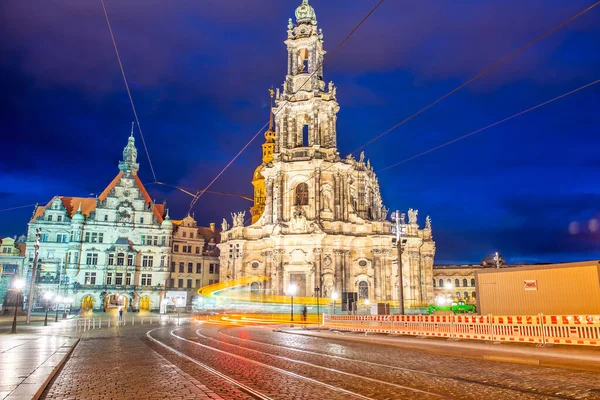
{"x":304,"y":312}
{"x":120,"y":314}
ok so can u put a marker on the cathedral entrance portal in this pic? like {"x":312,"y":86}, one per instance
{"x":300,"y":281}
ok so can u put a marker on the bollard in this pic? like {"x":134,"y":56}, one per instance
{"x":109,"y":322}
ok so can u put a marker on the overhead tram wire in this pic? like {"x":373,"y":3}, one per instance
{"x":188,"y":191}
{"x":491,"y":125}
{"x":379,"y":3}
{"x":487,"y":70}
{"x":137,"y":120}
{"x":482,"y":73}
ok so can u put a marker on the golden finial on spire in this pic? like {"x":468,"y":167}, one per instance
{"x":271,"y":92}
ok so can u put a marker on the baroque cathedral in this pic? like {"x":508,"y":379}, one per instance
{"x":318,"y":220}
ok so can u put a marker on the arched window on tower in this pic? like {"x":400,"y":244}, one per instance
{"x":302,"y":194}
{"x":303,"y":61}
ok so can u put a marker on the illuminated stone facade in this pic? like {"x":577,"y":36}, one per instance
{"x":106,"y":251}
{"x":318,"y":219}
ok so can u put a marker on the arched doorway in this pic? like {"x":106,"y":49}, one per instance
{"x":116,"y":301}
{"x":145,"y":303}
{"x":87,"y":303}
{"x":363,"y":290}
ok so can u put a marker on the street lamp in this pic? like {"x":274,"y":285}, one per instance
{"x":292,"y":292}
{"x":59,"y":299}
{"x":334,"y":297}
{"x":47,"y":298}
{"x":18,"y":286}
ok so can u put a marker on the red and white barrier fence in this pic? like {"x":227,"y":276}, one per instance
{"x":552,"y":329}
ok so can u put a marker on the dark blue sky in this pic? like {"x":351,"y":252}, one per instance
{"x":199,"y":73}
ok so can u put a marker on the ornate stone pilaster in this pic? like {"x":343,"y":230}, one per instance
{"x":348,"y":271}
{"x":268,"y":260}
{"x":318,"y":252}
{"x":278,"y":257}
{"x":269,"y":202}
{"x":280,"y":191}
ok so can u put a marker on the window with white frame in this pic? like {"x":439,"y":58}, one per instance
{"x":91,"y":259}
{"x":146,"y":279}
{"x":147,"y":261}
{"x":109,"y":278}
{"x":90,"y":278}
{"x":119,"y":278}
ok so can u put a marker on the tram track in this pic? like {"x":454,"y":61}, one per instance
{"x":371,"y":363}
{"x":416,"y":393}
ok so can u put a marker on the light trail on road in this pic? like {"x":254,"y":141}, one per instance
{"x":387,"y":366}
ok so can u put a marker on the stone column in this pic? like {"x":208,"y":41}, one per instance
{"x":279,"y":190}
{"x":317,"y":190}
{"x":348,"y":272}
{"x":377,"y":274}
{"x":338,"y":271}
{"x":268,"y":212}
{"x":278,"y":256}
{"x":317,"y":252}
{"x":267,"y":255}
{"x":336,"y":197}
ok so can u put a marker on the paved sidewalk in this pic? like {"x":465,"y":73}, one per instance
{"x":113,"y":363}
{"x":575,"y":357}
{"x":28,"y":362}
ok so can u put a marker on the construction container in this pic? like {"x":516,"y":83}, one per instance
{"x":553,"y":289}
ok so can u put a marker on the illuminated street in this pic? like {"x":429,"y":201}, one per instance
{"x":256,"y":362}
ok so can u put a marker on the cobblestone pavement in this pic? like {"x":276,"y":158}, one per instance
{"x":374,"y":371}
{"x":117,"y":364}
{"x":124,"y":364}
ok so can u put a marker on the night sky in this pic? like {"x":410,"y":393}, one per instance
{"x":199,"y":72}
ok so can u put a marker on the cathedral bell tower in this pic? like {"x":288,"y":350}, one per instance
{"x":306,"y":109}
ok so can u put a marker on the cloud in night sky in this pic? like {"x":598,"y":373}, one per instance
{"x":199,"y":74}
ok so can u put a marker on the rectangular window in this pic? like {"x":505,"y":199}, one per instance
{"x":180,"y":283}
{"x":198,"y":268}
{"x":94,"y":237}
{"x":49,"y":217}
{"x":217,"y":269}
{"x":163,"y":261}
{"x":141,"y":220}
{"x":211,"y":269}
{"x":120,"y":259}
{"x":111,"y":259}
{"x":130,"y":260}
{"x":183,"y":234}
{"x":155,"y":240}
{"x":171,"y":283}
{"x":190,"y":268}
{"x":176,"y":248}
{"x":181,"y":267}
{"x":119,"y":279}
{"x":189,"y":282}
{"x":59,"y":218}
{"x":109,"y":278}
{"x":197,"y":250}
{"x":144,"y":261}
{"x":101,"y":238}
{"x":172,"y":266}
{"x":198,"y":283}
{"x":191,"y":235}
{"x":163,"y":240}
{"x":44,"y":237}
{"x":91,"y":259}
{"x":128,"y":279}
{"x":90,"y":278}
{"x":75,"y":257}
{"x":146,"y":279}
{"x":87,"y":237}
{"x":50,"y":254}
{"x":106,"y":218}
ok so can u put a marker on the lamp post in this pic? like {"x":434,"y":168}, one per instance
{"x":59,"y":299}
{"x":292,"y":292}
{"x":334,"y":297}
{"x":18,"y":286}
{"x":47,"y":298}
{"x":318,"y":311}
{"x":399,"y":219}
{"x":36,"y":247}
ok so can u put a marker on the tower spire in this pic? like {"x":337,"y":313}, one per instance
{"x":271,"y":93}
{"x":129,"y":162}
